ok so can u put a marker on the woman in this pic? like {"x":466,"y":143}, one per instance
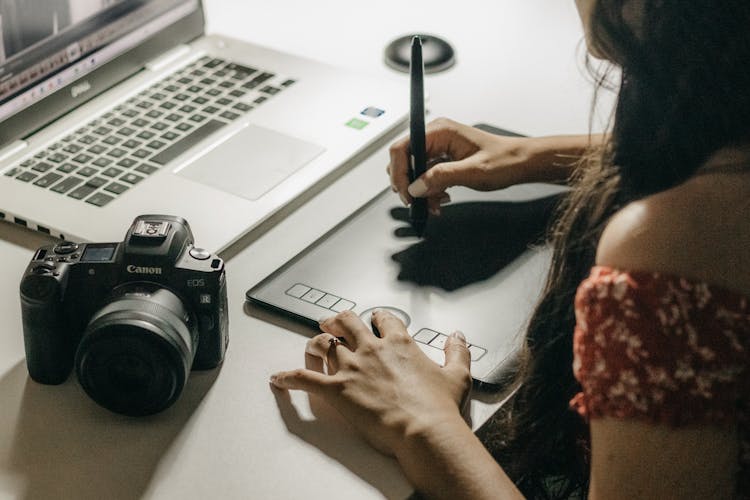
{"x":635,"y":379}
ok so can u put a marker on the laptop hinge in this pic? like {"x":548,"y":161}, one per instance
{"x":12,"y":148}
{"x":166,"y":59}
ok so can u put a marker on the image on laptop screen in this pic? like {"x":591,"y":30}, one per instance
{"x":47,"y":44}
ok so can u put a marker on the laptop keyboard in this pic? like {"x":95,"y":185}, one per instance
{"x":120,"y":148}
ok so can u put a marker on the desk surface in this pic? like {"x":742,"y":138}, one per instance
{"x":519,"y":66}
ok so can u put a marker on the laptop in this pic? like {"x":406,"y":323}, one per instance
{"x":116,"y":108}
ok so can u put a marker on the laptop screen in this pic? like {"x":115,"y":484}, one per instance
{"x":45,"y":45}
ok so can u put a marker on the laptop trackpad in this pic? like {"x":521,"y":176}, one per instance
{"x":251,"y":162}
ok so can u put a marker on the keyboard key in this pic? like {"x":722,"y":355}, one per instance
{"x":57,"y":157}
{"x":210,"y":109}
{"x":81,"y":192}
{"x":66,"y":184}
{"x":72,"y":148}
{"x":131,"y":144}
{"x":287,"y":83}
{"x":156,"y":144}
{"x":154,"y":114}
{"x":97,"y":149}
{"x":97,"y":182}
{"x":131,"y":178}
{"x":213,"y":92}
{"x":87,"y":139}
{"x":173,"y":117}
{"x":168,"y":105}
{"x":66,"y":168}
{"x":187,"y":108}
{"x":87,"y":171}
{"x":425,"y":335}
{"x":102,"y":162}
{"x":476,"y":352}
{"x":224,"y":101}
{"x":342,"y":305}
{"x":126,"y":131}
{"x":48,"y":180}
{"x":27,"y":176}
{"x":116,"y":122}
{"x":213,"y":63}
{"x":13,"y":172}
{"x":197,"y":118}
{"x":313,"y":296}
{"x":146,"y":169}
{"x":159,"y":126}
{"x":270,"y":90}
{"x":241,"y":106}
{"x":112,"y":172}
{"x":184,"y":127}
{"x":182,"y":97}
{"x":126,"y":162}
{"x":117,"y":153}
{"x":142,"y":153}
{"x":83,"y":158}
{"x":229,"y":115}
{"x":130,"y":113}
{"x":298,"y":291}
{"x":116,"y":187}
{"x":170,"y":136}
{"x":237,"y":93}
{"x":140,"y":122}
{"x":112,"y":140}
{"x":100,"y":199}
{"x":145,"y":135}
{"x":260,"y":100}
{"x":42,"y":166}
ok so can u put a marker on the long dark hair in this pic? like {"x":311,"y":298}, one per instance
{"x":684,"y":93}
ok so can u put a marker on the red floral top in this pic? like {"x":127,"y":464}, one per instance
{"x":663,"y":349}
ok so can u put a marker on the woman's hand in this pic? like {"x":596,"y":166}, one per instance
{"x":461,"y":155}
{"x":386,"y":387}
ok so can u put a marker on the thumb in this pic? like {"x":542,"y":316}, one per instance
{"x":457,"y":355}
{"x":440,"y":177}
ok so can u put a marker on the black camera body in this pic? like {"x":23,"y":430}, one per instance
{"x":133,"y":317}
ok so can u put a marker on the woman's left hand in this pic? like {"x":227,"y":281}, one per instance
{"x":386,"y":387}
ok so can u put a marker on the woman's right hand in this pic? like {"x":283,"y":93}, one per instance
{"x":460,"y":156}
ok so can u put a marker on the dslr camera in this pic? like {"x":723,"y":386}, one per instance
{"x":133,"y":317}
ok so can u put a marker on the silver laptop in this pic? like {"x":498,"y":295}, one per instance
{"x":479,"y":268}
{"x":115,"y":108}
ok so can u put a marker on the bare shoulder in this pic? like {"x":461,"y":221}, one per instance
{"x":698,"y":230}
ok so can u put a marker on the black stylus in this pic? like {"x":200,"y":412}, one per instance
{"x":418,"y":157}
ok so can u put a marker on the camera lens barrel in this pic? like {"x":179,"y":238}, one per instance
{"x":137,"y":351}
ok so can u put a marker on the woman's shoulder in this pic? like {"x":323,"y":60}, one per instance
{"x":698,"y":230}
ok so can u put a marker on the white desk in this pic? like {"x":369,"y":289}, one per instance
{"x":519,"y":66}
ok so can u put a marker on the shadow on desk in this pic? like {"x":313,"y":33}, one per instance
{"x":331,"y":434}
{"x":65,"y":446}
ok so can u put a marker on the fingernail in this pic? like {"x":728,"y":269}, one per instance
{"x":458,"y":335}
{"x":434,"y":211}
{"x":404,"y":199}
{"x":273,"y":379}
{"x":417,"y":188}
{"x":322,"y":319}
{"x":446,"y":198}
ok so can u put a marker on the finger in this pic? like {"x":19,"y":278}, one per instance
{"x":442,"y":176}
{"x":398,"y":169}
{"x":388,"y":325}
{"x":302,"y":379}
{"x":457,"y":355}
{"x":348,"y":326}
{"x":321,"y":351}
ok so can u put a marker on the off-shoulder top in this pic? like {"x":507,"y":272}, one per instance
{"x":664,"y":349}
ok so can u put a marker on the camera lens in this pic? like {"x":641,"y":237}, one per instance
{"x":136,"y":353}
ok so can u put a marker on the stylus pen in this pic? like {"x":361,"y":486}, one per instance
{"x":418,"y":156}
